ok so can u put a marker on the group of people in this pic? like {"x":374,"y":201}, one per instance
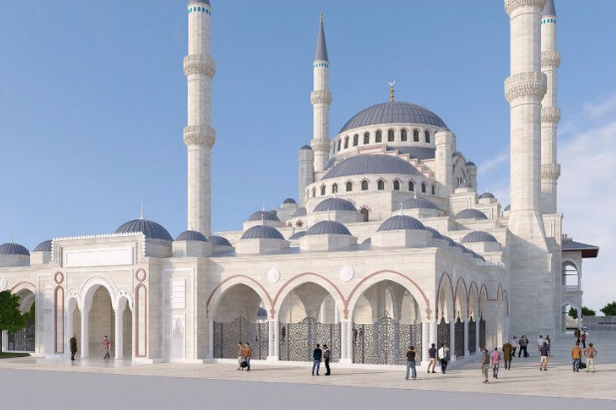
{"x":576,"y":352}
{"x":319,"y":355}
{"x":106,"y":346}
{"x":244,"y":354}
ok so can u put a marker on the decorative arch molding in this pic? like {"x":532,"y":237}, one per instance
{"x":125,"y":294}
{"x":438,"y":292}
{"x":476,"y":300}
{"x":25,"y":285}
{"x":499,"y":293}
{"x":463,"y":297}
{"x":572,"y":262}
{"x":570,"y":303}
{"x":483,"y":291}
{"x":215,"y":295}
{"x":506,"y":300}
{"x":90,"y":287}
{"x":302,"y":278}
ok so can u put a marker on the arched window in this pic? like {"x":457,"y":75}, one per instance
{"x":403,"y":135}
{"x":335,"y":189}
{"x":380,"y":185}
{"x":570,"y":275}
{"x":290,"y":224}
{"x":390,"y":136}
{"x":346,"y":142}
{"x":411,"y":186}
{"x":364,"y":185}
{"x":339,"y":143}
{"x":366,"y":138}
{"x":299,"y":223}
{"x":349,"y":186}
{"x":322,"y":189}
{"x":365,"y":213}
{"x":433,"y":190}
{"x":415,"y":135}
{"x":355,"y":140}
{"x":314,"y":192}
{"x":427,"y":136}
{"x":379,"y":136}
{"x":396,"y":185}
{"x":423,"y":187}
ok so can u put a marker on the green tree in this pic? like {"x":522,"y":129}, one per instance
{"x":609,"y":309}
{"x":11,"y":318}
{"x":585,"y":312}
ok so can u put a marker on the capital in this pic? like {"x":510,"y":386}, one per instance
{"x":550,"y":172}
{"x":320,"y":97}
{"x":199,"y":135}
{"x":526,"y":83}
{"x":199,"y":64}
{"x":550,"y":114}
{"x":511,"y":5}
{"x":550,"y":58}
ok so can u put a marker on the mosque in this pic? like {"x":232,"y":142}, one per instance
{"x":388,"y":244}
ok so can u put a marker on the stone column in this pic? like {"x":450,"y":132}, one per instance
{"x":425,"y":343}
{"x":85,"y":332}
{"x":466,"y":349}
{"x":274,"y":341}
{"x":210,"y":347}
{"x":69,"y":329}
{"x":119,"y":333}
{"x":477,"y":343}
{"x":346,"y":342}
{"x":5,"y":340}
{"x":452,"y":338}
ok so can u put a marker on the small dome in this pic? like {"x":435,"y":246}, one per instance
{"x":465,"y":185}
{"x":262,"y":232}
{"x":486,"y":195}
{"x":191,"y":236}
{"x":261,"y":314}
{"x":300,"y":212}
{"x":478,"y":236}
{"x":471,"y":213}
{"x":393,"y":113}
{"x":418,"y":203}
{"x":289,"y":201}
{"x":335,"y":204}
{"x":217,"y":240}
{"x":401,"y":223}
{"x":507,"y":208}
{"x":306,"y":147}
{"x":328,"y":228}
{"x":297,"y":235}
{"x":435,"y":234}
{"x":372,"y":164}
{"x":150,"y":229}
{"x":263,"y":216}
{"x":44,"y":246}
{"x":471,"y":164}
{"x":11,"y":248}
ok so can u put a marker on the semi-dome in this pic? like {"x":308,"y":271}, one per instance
{"x":401,"y":222}
{"x":12,"y":248}
{"x":328,"y":228}
{"x":486,"y":195}
{"x":150,"y":229}
{"x":471,"y":213}
{"x":435,"y":234}
{"x":306,"y":147}
{"x":44,"y":246}
{"x":264,"y":216}
{"x":289,"y":201}
{"x":217,"y":240}
{"x":262,"y":232}
{"x":418,"y":203}
{"x":300,"y":212}
{"x":371,"y":164}
{"x":191,"y":236}
{"x":335,"y":204}
{"x":297,"y":235}
{"x":394,"y":113}
{"x":478,"y":236}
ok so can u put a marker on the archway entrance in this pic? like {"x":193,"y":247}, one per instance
{"x":25,"y":339}
{"x":101,"y":322}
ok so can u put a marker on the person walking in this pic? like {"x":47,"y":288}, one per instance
{"x":485,"y":361}
{"x":495,"y":359}
{"x":576,"y":357}
{"x":240,"y":355}
{"x":547,"y":339}
{"x":523,"y":346}
{"x":443,"y":356}
{"x":514,"y":345}
{"x":590,"y":352}
{"x":576,"y":335}
{"x":432,"y":358}
{"x":247,"y":355}
{"x":73,"y":345}
{"x":545,"y":355}
{"x":327,"y":353}
{"x":410,"y":363}
{"x":540,"y":341}
{"x":106,"y":346}
{"x":583,"y":339}
{"x":508,"y":353}
{"x":317,"y":355}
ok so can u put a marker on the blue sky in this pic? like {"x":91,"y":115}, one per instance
{"x":93,"y":102}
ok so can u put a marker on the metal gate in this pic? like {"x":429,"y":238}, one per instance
{"x":458,"y":336}
{"x":443,"y":333}
{"x":472,"y":336}
{"x":385,"y":342}
{"x":24,"y":339}
{"x":482,"y":333}
{"x":298,"y":340}
{"x":226,"y":336}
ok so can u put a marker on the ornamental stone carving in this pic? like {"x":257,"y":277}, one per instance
{"x":550,"y":58}
{"x":321,"y":97}
{"x":550,"y":172}
{"x":550,"y":114}
{"x":511,"y":5}
{"x":527,"y":83}
{"x":319,"y":145}
{"x":3,"y":284}
{"x":199,"y":135}
{"x":199,"y":64}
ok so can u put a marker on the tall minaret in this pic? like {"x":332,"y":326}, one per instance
{"x":550,"y":113}
{"x":199,"y":136}
{"x":320,"y":98}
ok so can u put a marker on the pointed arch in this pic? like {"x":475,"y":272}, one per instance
{"x":216,"y":294}
{"x":449,"y":301}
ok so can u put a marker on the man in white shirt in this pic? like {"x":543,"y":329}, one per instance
{"x":540,"y":343}
{"x":443,"y":356}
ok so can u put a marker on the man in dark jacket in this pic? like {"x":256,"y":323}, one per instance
{"x":73,"y":343}
{"x":316,"y":357}
{"x":326,"y":357}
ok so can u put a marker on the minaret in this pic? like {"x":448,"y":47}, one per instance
{"x":305,"y":173}
{"x":550,"y":113}
{"x":199,"y":136}
{"x":320,"y":98}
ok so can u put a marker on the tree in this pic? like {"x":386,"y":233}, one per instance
{"x":609,"y":309}
{"x":11,"y":318}
{"x":585,"y":312}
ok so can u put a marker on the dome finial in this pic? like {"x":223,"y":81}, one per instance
{"x":320,"y":17}
{"x":142,"y":212}
{"x":401,"y":208}
{"x":415,"y":194}
{"x":391,"y":91}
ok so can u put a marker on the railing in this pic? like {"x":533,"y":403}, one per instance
{"x":599,"y":322}
{"x":571,"y":288}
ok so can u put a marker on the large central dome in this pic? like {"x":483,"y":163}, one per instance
{"x":394,"y":113}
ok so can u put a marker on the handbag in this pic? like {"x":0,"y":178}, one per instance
{"x":244,"y":363}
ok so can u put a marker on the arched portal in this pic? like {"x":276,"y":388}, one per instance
{"x":101,"y":320}
{"x":24,"y":340}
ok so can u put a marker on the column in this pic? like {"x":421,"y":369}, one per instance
{"x":119,"y":332}
{"x":477,"y":326}
{"x":452,"y":339}
{"x":85,"y":332}
{"x":5,"y":340}
{"x":466,"y":350}
{"x":210,"y":348}
{"x":69,"y":329}
{"x":425,"y":343}
{"x":274,"y":337}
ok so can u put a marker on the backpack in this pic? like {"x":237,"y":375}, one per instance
{"x":582,"y":365}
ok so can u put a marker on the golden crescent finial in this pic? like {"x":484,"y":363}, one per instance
{"x":320,"y":16}
{"x":391,"y":90}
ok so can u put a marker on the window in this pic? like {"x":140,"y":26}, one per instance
{"x":433,"y":190}
{"x":411,"y":186}
{"x":390,"y":136}
{"x":396,"y":185}
{"x":365,"y":214}
{"x":314,"y":192}
{"x":339,"y":143}
{"x":367,"y":138}
{"x":415,"y":135}
{"x":346,"y":142}
{"x":349,"y":186}
{"x":290,"y":224}
{"x":299,"y":223}
{"x":427,"y":136}
{"x":355,"y":140}
{"x":403,"y":135}
{"x":423,"y":187}
{"x":380,"y":185}
{"x":322,"y":189}
{"x":335,"y":189}
{"x":364,"y":185}
{"x":569,"y":275}
{"x":379,"y":136}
